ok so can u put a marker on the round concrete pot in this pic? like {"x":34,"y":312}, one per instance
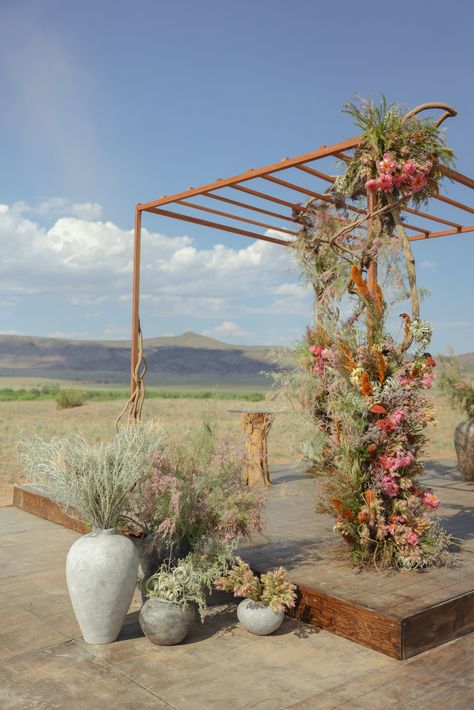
{"x":258,"y":618}
{"x":101,"y":574}
{"x":165,"y":623}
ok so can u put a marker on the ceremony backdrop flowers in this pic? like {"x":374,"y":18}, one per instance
{"x":366,"y":396}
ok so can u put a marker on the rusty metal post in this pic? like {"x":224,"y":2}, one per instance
{"x":135,"y":296}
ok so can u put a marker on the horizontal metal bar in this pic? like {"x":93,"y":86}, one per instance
{"x":425,"y":215}
{"x":250,"y":174}
{"x":291,"y":186}
{"x":446,"y":233}
{"x":215,"y":225}
{"x":214,"y":196}
{"x":316,"y":173}
{"x":234,"y":216}
{"x":449,"y":201}
{"x":264,"y":196}
{"x":458,"y":177}
{"x":310,"y":193}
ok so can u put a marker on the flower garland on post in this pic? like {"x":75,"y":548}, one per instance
{"x":367,"y":397}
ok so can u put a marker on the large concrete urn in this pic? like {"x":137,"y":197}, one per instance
{"x":101,"y":573}
{"x":464,"y":445}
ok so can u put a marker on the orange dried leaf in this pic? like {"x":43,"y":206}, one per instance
{"x":348,"y":359}
{"x":365,"y":386}
{"x":347,"y":514}
{"x":361,"y":286}
{"x":370,"y":497}
{"x":381,"y":365}
{"x":378,"y":298}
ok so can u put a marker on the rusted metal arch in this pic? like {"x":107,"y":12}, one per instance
{"x":258,"y":201}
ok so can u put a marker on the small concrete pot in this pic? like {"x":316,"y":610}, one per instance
{"x":258,"y":617}
{"x":165,"y":623}
{"x":101,"y":574}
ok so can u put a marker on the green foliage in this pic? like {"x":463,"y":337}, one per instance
{"x":47,"y":392}
{"x":68,"y":399}
{"x":457,"y":387}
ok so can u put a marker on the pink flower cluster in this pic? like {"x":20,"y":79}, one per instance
{"x":427,"y":380}
{"x":393,"y":420}
{"x":412,"y":538}
{"x":402,"y":459}
{"x":394,"y":522}
{"x":408,"y":176}
{"x":430,"y":500}
{"x":390,"y":486}
{"x":318,"y":352}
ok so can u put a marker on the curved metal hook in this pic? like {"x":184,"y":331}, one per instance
{"x":448,"y":111}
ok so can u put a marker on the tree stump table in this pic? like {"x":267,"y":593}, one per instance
{"x":256,"y":425}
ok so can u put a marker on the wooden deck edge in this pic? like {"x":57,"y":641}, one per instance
{"x":380,"y":632}
{"x":35,"y":501}
{"x":438,"y":624}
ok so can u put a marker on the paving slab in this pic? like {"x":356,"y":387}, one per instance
{"x":45,"y":664}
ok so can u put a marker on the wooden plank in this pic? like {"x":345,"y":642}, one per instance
{"x":380,"y":632}
{"x":33,"y":501}
{"x":438,"y":624}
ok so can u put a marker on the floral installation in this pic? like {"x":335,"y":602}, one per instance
{"x":365,"y":392}
{"x":269,"y":588}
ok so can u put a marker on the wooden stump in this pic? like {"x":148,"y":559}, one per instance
{"x":256,"y":426}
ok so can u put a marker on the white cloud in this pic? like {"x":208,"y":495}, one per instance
{"x":69,"y":335}
{"x":116,"y":332}
{"x":90,"y":261}
{"x":428,"y":265}
{"x":228,"y":329}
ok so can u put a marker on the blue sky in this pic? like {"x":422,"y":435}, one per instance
{"x":109,"y":103}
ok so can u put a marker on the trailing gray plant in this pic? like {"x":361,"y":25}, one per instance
{"x":191,"y":579}
{"x":96,"y":481}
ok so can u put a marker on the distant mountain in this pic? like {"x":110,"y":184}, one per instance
{"x":187,"y":359}
{"x":184,"y":359}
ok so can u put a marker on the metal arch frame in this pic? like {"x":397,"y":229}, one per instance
{"x":262,"y":207}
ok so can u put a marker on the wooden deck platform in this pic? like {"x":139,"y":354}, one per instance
{"x":400,"y":614}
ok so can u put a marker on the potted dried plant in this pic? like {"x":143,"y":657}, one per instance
{"x":192,"y":494}
{"x":267,"y":596}
{"x":96,"y":482}
{"x":460,"y":392}
{"x":174,"y":592}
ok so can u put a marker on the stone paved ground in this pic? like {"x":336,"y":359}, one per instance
{"x":45,"y":665}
